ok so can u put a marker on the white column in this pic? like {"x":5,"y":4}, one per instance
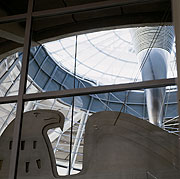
{"x":78,"y":139}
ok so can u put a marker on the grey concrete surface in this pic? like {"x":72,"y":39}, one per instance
{"x":131,"y":149}
{"x":36,"y":155}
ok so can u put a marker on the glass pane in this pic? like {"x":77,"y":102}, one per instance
{"x":104,"y":58}
{"x":7,"y":115}
{"x":11,"y":40}
{"x":131,"y":102}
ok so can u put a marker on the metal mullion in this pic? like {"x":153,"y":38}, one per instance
{"x":101,"y":89}
{"x":77,"y":141}
{"x":73,"y":9}
{"x":13,"y":18}
{"x":22,"y":91}
{"x":92,"y":90}
{"x":6,"y":121}
{"x":8,"y":99}
{"x":87,"y":7}
{"x":80,"y":134}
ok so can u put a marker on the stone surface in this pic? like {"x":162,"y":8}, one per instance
{"x":36,"y":154}
{"x":131,"y":149}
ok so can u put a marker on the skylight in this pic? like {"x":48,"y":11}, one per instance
{"x":107,"y":57}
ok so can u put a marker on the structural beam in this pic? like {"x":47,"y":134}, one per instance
{"x":13,"y":18}
{"x":22,"y":90}
{"x":101,"y":89}
{"x":8,"y":99}
{"x":92,"y":90}
{"x":88,"y":7}
{"x":75,"y":9}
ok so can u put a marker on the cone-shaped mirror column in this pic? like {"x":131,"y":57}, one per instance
{"x":153,"y":45}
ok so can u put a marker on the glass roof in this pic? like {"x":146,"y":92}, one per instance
{"x":107,"y":57}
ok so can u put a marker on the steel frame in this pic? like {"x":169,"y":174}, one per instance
{"x":22,"y":96}
{"x":91,"y":90}
{"x":22,"y":91}
{"x":72,"y":10}
{"x":79,"y":135}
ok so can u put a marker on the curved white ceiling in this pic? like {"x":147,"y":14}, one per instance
{"x":107,"y":57}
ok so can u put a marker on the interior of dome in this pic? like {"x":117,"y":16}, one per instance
{"x":103,"y":58}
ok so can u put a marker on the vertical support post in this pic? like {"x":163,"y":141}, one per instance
{"x":78,"y":139}
{"x":57,"y":143}
{"x":79,"y":136}
{"x":176,"y":22}
{"x":22,"y":91}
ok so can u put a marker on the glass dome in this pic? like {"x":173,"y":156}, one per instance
{"x":106,"y":57}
